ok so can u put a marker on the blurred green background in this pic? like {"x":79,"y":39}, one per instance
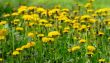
{"x":7,"y":5}
{"x":50,"y":3}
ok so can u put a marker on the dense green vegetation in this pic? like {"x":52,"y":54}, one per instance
{"x":54,"y":31}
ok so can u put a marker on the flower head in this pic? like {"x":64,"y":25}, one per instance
{"x":74,"y":48}
{"x":31,"y":34}
{"x":82,"y":41}
{"x":91,"y":48}
{"x":101,"y":60}
{"x":15,"y":53}
{"x":53,"y":34}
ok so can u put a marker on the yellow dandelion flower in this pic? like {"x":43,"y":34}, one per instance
{"x":2,"y":37}
{"x":39,"y":10}
{"x":94,"y":15}
{"x":19,"y":49}
{"x":27,"y":17}
{"x":31,"y":24}
{"x":92,"y":20}
{"x":51,"y":39}
{"x":108,"y":38}
{"x":66,"y":29}
{"x":45,"y":39}
{"x":3,"y":32}
{"x":35,"y":17}
{"x":108,"y":23}
{"x":88,"y":5}
{"x":101,"y":60}
{"x":100,"y":33}
{"x":31,"y":8}
{"x":32,"y":43}
{"x":6,"y":15}
{"x":31,"y":34}
{"x":15,"y":14}
{"x":15,"y":53}
{"x":85,"y":17}
{"x":48,"y":25}
{"x":40,"y":35}
{"x":89,"y":54}
{"x":74,"y":48}
{"x":26,"y":46}
{"x":53,"y":34}
{"x":43,"y":21}
{"x":1,"y":59}
{"x":76,"y":25}
{"x":91,"y":48}
{"x":22,"y":9}
{"x":82,"y":41}
{"x":83,"y":27}
{"x":3,"y":22}
{"x":19,"y":29}
{"x":16,"y":21}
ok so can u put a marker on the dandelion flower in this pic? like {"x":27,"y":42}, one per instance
{"x":101,"y":60}
{"x":1,"y":59}
{"x":53,"y":34}
{"x":91,"y":48}
{"x":82,"y":41}
{"x":30,"y":34}
{"x":15,"y":53}
{"x":100,"y":33}
{"x":19,"y":49}
{"x":74,"y":48}
{"x":19,"y":29}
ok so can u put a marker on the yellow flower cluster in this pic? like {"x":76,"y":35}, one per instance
{"x":3,"y":33}
{"x":83,"y":26}
{"x":18,"y":50}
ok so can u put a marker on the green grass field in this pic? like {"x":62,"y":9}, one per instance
{"x":54,"y":31}
{"x":64,"y":3}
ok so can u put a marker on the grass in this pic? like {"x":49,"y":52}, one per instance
{"x":51,"y":3}
{"x":55,"y":35}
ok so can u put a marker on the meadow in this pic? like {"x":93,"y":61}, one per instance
{"x":55,"y":31}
